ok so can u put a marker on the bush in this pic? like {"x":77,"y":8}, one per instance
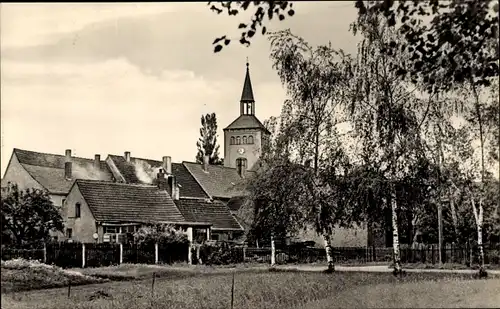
{"x":220,"y":253}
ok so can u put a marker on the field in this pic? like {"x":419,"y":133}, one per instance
{"x":264,"y":289}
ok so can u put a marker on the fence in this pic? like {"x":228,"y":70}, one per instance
{"x":68,"y":255}
{"x":94,"y":255}
{"x":428,"y":254}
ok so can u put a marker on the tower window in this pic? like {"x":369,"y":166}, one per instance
{"x":77,"y":210}
{"x":238,"y":140}
{"x":250,"y":139}
{"x":244,"y":139}
{"x":249,"y":108}
{"x":232,"y":140}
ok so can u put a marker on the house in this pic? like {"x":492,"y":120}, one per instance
{"x":102,"y":211}
{"x":53,"y":173}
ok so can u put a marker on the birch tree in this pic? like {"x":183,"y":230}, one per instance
{"x":385,"y":110}
{"x":311,"y":115}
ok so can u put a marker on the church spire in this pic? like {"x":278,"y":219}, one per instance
{"x":247,"y":106}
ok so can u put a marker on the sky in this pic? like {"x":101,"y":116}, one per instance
{"x":108,"y":78}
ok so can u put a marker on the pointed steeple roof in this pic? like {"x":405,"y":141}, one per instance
{"x":247,"y":93}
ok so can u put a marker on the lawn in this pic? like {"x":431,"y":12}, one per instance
{"x":278,"y":290}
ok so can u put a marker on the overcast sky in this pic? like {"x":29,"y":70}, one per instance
{"x":109,"y":78}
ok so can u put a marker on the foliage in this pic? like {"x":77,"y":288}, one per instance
{"x":220,"y":253}
{"x":459,"y":45}
{"x":159,"y":233}
{"x":207,"y":143}
{"x":264,"y":11}
{"x":276,"y":191}
{"x":28,"y":215}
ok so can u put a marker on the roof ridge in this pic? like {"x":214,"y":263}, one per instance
{"x":215,"y":165}
{"x":144,"y":159}
{"x":53,"y":154}
{"x":116,"y":183}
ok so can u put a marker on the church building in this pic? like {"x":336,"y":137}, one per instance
{"x":245,"y":136}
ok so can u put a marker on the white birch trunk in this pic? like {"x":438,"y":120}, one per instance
{"x":478,"y":216}
{"x":328,"y":249}
{"x":453,"y":214}
{"x":395,"y":236}
{"x":273,"y":253}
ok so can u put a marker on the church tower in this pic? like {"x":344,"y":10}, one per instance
{"x":243,"y":138}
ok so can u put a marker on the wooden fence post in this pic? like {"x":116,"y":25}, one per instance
{"x":244,"y":253}
{"x":156,"y":253}
{"x":83,"y":255}
{"x":121,"y":253}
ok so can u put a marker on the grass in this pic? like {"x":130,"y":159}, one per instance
{"x":447,"y":266}
{"x":22,"y":275}
{"x":145,"y":271}
{"x":278,"y":290}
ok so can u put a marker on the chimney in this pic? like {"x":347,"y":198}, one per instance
{"x":162,"y":181}
{"x":127,"y":156}
{"x":167,"y":164}
{"x":205,"y":163}
{"x":173,"y":188}
{"x":68,"y":165}
{"x":97,"y":162}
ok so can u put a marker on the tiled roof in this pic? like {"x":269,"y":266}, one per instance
{"x":48,"y":169}
{"x":219,"y":181}
{"x":247,"y":122}
{"x":120,"y":202}
{"x":214,"y":212}
{"x":148,"y":169}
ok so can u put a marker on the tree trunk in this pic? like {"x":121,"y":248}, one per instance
{"x":273,"y":252}
{"x":478,"y":216}
{"x":395,"y":235}
{"x":329,"y":255}
{"x":453,"y":214}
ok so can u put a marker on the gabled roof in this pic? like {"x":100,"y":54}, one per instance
{"x":247,"y":122}
{"x":143,"y":171}
{"x":48,"y":169}
{"x":118,"y":202}
{"x":214,"y":212}
{"x":219,"y":181}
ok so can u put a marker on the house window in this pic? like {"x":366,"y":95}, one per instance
{"x":244,"y":139}
{"x":129,"y":229}
{"x":63,"y":200}
{"x":199,"y":235}
{"x":111,"y":229}
{"x":69,"y":233}
{"x":77,"y":210}
{"x":232,"y":140}
{"x":238,"y":140}
{"x":250,"y":139}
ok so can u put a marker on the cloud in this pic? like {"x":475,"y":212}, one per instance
{"x":112,"y":106}
{"x":171,"y":40}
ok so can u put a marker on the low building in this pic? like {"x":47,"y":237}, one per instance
{"x":100,"y":211}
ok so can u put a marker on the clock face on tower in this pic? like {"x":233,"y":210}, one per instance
{"x":241,"y":151}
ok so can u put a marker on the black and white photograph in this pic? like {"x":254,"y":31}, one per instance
{"x":250,"y":154}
